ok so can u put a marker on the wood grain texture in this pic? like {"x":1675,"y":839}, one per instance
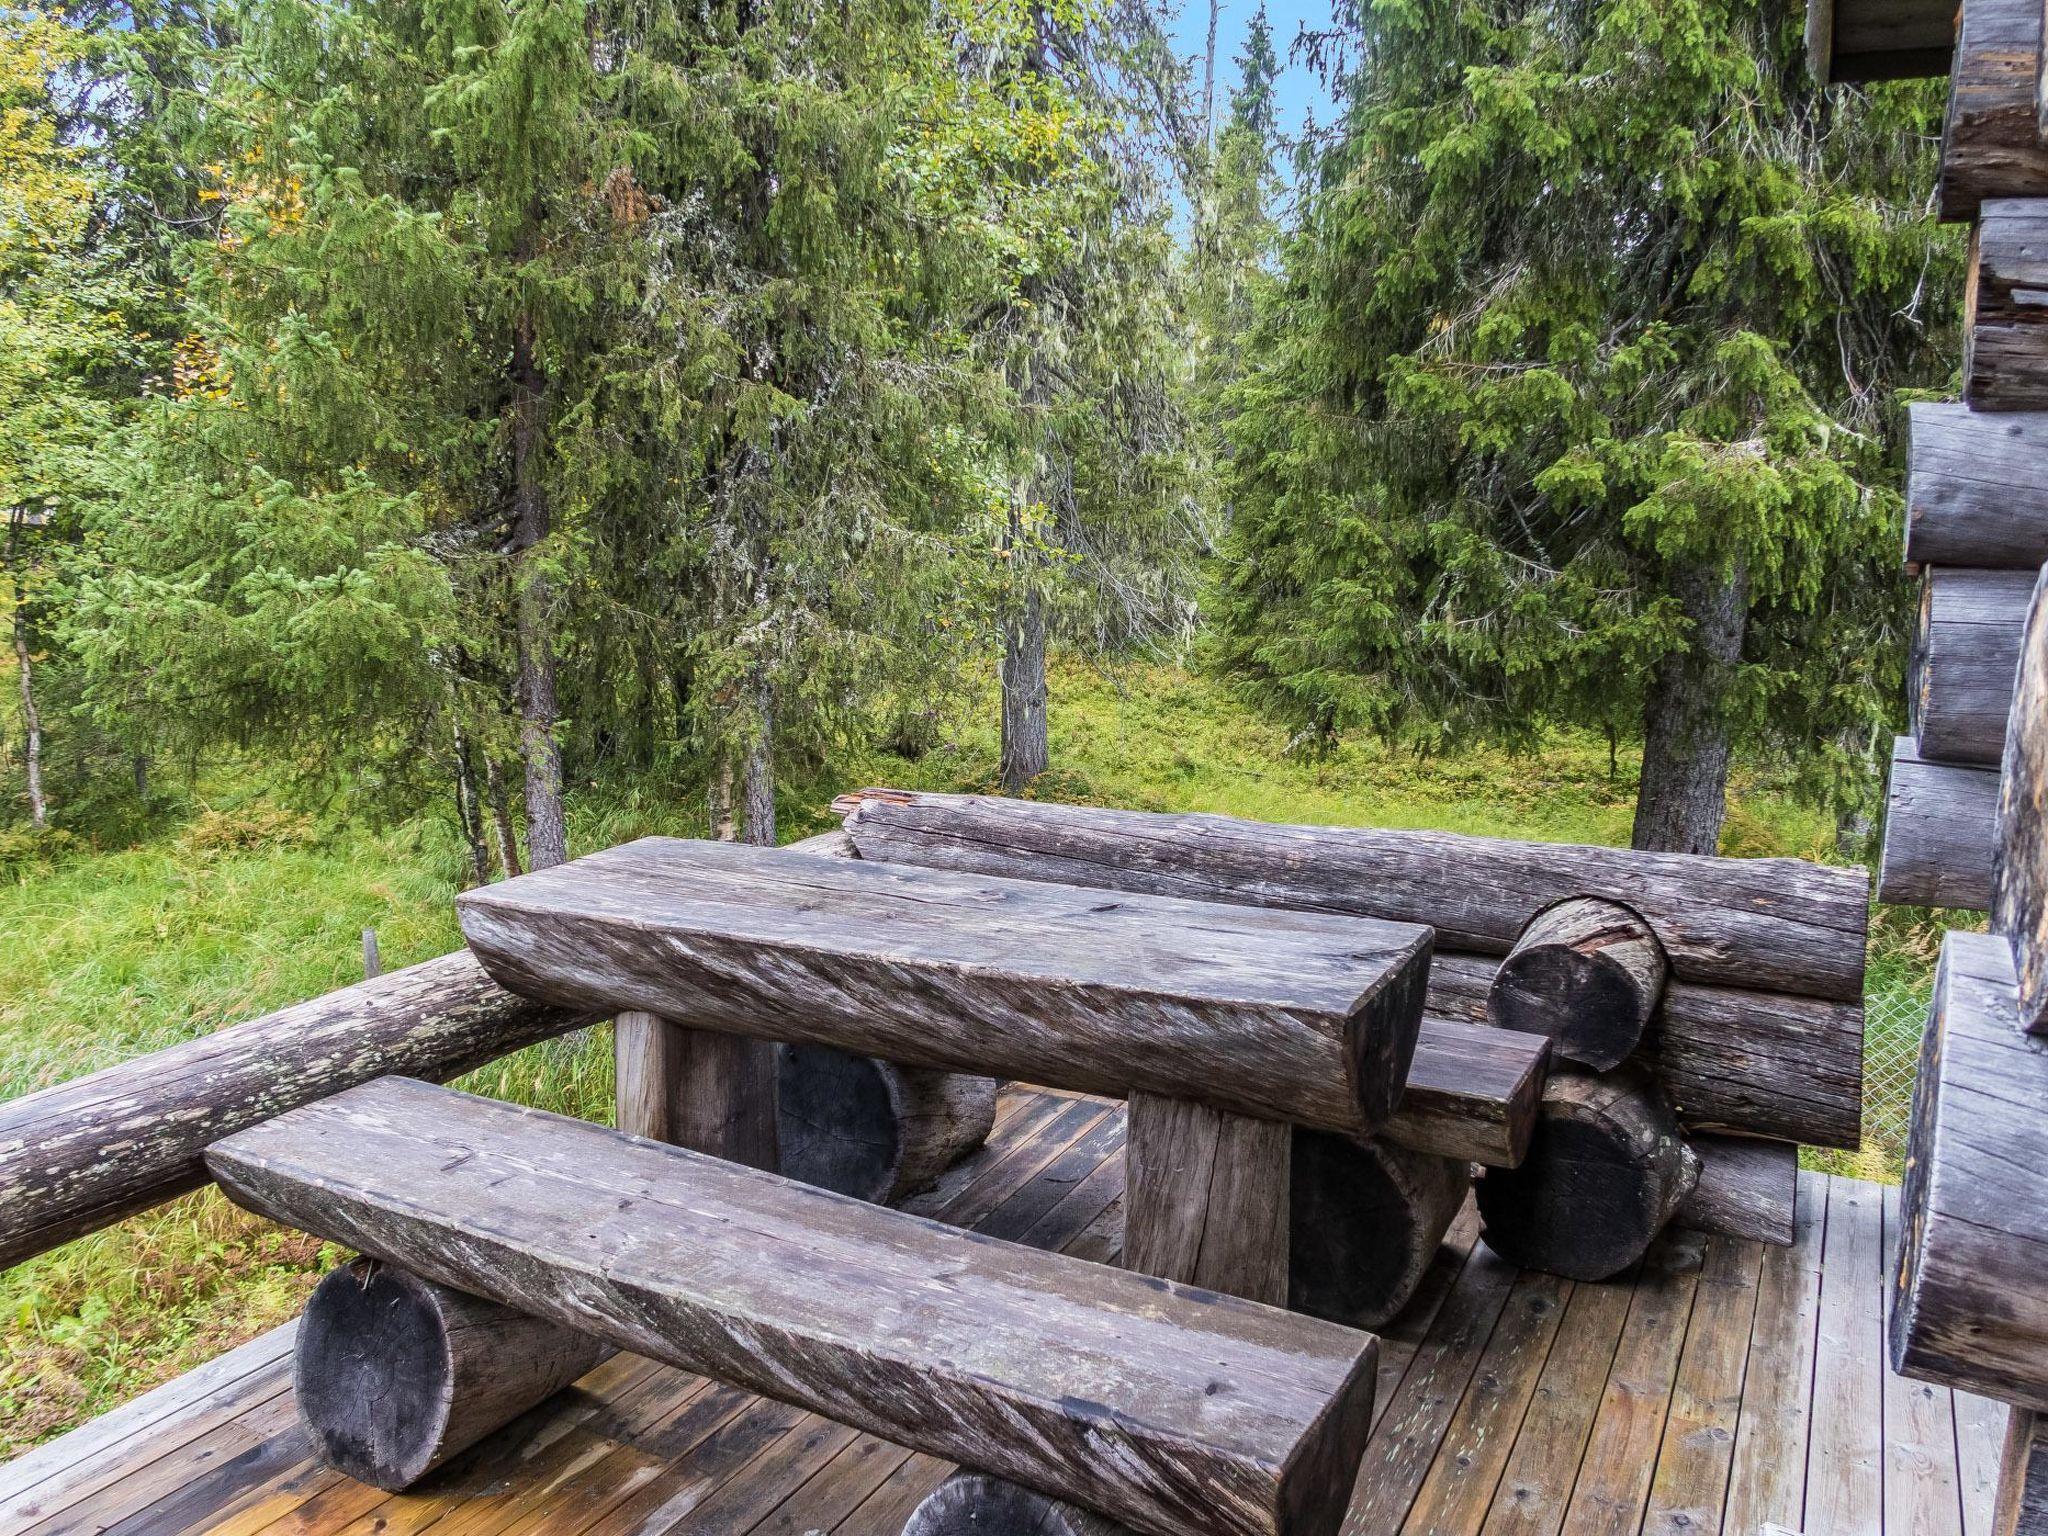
{"x":1747,"y":1187}
{"x":1966,"y":648}
{"x":1853,"y":42}
{"x":1940,"y":832}
{"x":2019,"y":871}
{"x":1761,"y":1063}
{"x":975,"y":1504}
{"x":1753,"y":1063}
{"x":1607,"y":1170}
{"x":1364,"y":1225}
{"x":2022,"y":1507}
{"x":1281,"y":1015}
{"x":1991,"y":142}
{"x":1472,"y":1093}
{"x":84,"y":1154}
{"x":1970,"y":1307}
{"x":393,"y":1375}
{"x":872,"y":1129}
{"x":1164,"y":1408}
{"x":1772,"y":924}
{"x":1206,"y":1198}
{"x":713,"y":1093}
{"x":1976,"y":487}
{"x":1588,"y":975}
{"x":1922,"y":1465}
{"x":2005,"y":324}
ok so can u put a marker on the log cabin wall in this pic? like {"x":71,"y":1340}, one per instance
{"x":1969,"y":785}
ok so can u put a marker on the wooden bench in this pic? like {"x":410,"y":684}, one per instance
{"x":1170,"y":1410}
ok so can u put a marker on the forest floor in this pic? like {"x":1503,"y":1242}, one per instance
{"x":244,"y":906}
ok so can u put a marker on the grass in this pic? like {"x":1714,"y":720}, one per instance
{"x":247,"y":906}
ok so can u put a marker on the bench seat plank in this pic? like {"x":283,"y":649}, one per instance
{"x":1174,"y":1410}
{"x":1280,"y":1015}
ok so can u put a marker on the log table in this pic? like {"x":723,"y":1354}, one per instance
{"x":1223,"y":1026}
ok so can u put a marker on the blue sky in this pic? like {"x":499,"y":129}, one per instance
{"x":1299,"y":91}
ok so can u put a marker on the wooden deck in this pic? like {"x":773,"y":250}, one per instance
{"x":1724,"y":1386}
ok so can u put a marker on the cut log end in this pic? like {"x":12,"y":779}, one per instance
{"x":1605,"y":1173}
{"x":872,"y":1129}
{"x":1588,"y":974}
{"x":975,"y":1504}
{"x":394,"y":1374}
{"x":1365,"y":1221}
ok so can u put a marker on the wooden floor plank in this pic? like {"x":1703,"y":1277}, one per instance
{"x":1400,"y":1338}
{"x":1845,"y":1451}
{"x":1980,"y":1438}
{"x":1689,"y":1489}
{"x":1621,"y":1453}
{"x":1922,"y":1475}
{"x":1767,"y":1482}
{"x":883,"y":1512}
{"x":1536,"y":1487}
{"x":839,"y":1488}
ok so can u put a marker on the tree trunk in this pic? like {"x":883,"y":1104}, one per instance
{"x":757,"y":783}
{"x":1024,"y":749}
{"x":501,"y":819}
{"x":1683,"y":796}
{"x":31,"y":720}
{"x":467,"y":809}
{"x":719,"y":802}
{"x":547,"y":840}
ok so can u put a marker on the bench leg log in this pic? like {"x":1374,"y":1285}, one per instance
{"x":1587,"y":973}
{"x":1206,"y":1197}
{"x":1365,"y":1221}
{"x":872,"y":1129}
{"x":2022,"y":1507}
{"x":975,"y":1504}
{"x":395,"y":1374}
{"x":697,"y":1088}
{"x":1605,"y":1172}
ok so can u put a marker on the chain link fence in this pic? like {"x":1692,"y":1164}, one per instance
{"x":1894,"y":1015}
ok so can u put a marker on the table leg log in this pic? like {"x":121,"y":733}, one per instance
{"x":697,"y":1088}
{"x":975,"y":1504}
{"x":2022,"y":1508}
{"x":872,"y":1129}
{"x":1589,"y":974}
{"x":1206,"y":1197}
{"x":1604,"y":1174}
{"x":395,"y":1374}
{"x":1365,"y":1221}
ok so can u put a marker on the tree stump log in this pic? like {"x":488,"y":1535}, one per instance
{"x":1589,"y":974}
{"x":975,"y":1504}
{"x":874,"y":1130}
{"x":395,"y":1374}
{"x":1966,"y":649}
{"x":1365,"y":1220}
{"x":698,"y":1088}
{"x":1605,"y":1173}
{"x":1205,"y":1197}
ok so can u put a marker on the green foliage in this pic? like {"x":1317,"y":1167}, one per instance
{"x":1590,"y":302}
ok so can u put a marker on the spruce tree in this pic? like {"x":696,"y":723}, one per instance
{"x":1577,"y":403}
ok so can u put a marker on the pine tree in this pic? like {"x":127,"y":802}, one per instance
{"x":1237,"y":237}
{"x":1576,"y":403}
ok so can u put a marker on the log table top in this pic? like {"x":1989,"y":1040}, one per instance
{"x":1298,"y":1016}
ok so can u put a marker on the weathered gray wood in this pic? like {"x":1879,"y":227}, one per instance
{"x":698,"y":1088}
{"x":394,"y":1374}
{"x":1472,"y":1093}
{"x":1205,"y":1197}
{"x":84,"y":1154}
{"x":1606,"y":1172}
{"x":1776,"y":924}
{"x":1738,"y":1059}
{"x":975,"y":1504}
{"x":1971,"y":1305}
{"x":1284,"y":1015}
{"x":872,"y":1129}
{"x":1587,"y":974}
{"x":2022,"y":1503}
{"x":1748,"y":1187}
{"x":1940,"y":833}
{"x":1364,"y":1225}
{"x":2005,"y":325}
{"x":2019,"y":880}
{"x":1976,"y":487}
{"x":1991,"y":142}
{"x":1851,"y":42}
{"x":1960,"y":673}
{"x":1170,"y":1410}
